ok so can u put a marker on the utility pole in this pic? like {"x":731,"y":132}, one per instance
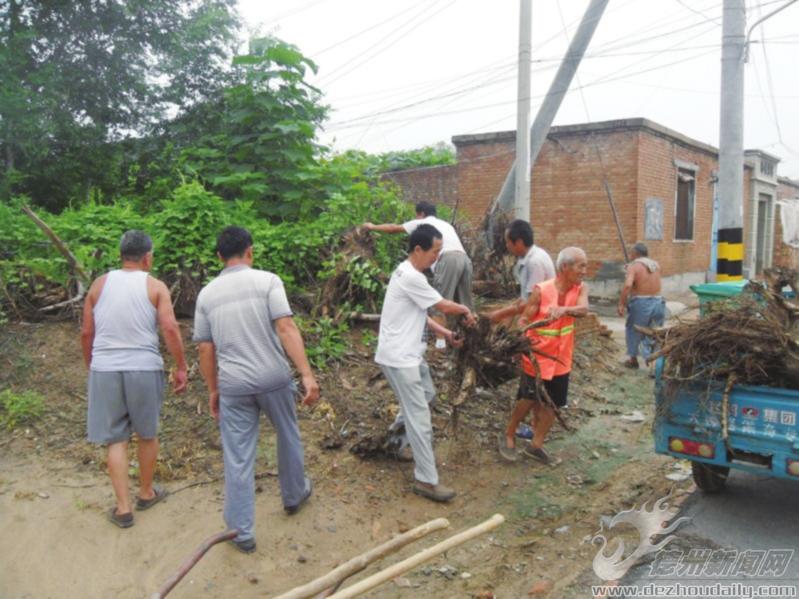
{"x":521,"y":202}
{"x":503,"y":203}
{"x":729,"y":264}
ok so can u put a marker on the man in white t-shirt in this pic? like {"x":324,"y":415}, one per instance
{"x":400,"y":351}
{"x":534,"y":266}
{"x":452,"y":272}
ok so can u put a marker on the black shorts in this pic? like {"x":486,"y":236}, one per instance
{"x":557,"y":388}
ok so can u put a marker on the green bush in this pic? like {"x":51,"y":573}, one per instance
{"x":325,"y":341}
{"x":19,"y":408}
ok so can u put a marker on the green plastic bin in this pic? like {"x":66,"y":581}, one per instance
{"x":711,"y":292}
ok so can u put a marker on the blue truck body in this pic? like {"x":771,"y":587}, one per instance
{"x":762,"y":431}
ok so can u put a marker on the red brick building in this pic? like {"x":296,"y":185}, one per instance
{"x":663,"y":186}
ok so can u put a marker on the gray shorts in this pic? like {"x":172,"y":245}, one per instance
{"x":453,"y":278}
{"x":123,"y":402}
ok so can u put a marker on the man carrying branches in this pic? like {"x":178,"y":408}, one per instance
{"x":401,"y":346}
{"x":544,"y":386}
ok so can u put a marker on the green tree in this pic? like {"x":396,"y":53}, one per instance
{"x":257,"y":139}
{"x":75,"y":76}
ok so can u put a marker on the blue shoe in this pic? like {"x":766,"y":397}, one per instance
{"x":293,"y":509}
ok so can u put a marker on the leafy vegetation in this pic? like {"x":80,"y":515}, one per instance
{"x":84,"y":90}
{"x":77,"y":77}
{"x":325,"y":341}
{"x":19,"y":408}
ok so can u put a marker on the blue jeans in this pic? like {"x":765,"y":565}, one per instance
{"x":645,"y":312}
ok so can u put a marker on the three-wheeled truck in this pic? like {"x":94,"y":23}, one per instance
{"x":762,"y":435}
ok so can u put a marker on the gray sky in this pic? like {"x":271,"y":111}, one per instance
{"x":408,"y":73}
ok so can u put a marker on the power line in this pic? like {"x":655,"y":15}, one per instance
{"x":294,"y":11}
{"x":600,"y":81}
{"x":410,"y":29}
{"x":597,"y":54}
{"x":453,"y":94}
{"x":368,"y":29}
{"x":698,"y":12}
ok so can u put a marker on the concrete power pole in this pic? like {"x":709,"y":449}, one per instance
{"x":729,"y":264}
{"x":521,"y":204}
{"x":503,"y":203}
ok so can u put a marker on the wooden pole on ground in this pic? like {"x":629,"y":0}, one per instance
{"x":356,"y":564}
{"x":379,"y":578}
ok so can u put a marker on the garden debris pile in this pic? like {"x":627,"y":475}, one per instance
{"x":490,"y":354}
{"x":492,"y":266}
{"x":749,"y":339}
{"x":353,"y":282}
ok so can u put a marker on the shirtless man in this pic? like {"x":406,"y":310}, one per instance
{"x":641,"y":297}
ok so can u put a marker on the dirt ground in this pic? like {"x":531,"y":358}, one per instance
{"x":54,"y":492}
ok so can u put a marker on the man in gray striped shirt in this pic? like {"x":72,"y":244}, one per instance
{"x":244,"y":326}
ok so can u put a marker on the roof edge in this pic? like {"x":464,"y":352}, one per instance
{"x":632,"y":124}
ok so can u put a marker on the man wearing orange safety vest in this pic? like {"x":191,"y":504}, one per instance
{"x":557,"y":302}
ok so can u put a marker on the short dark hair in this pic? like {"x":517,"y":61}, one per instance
{"x":640,"y":249}
{"x":135,"y":245}
{"x":232,"y":242}
{"x":426,"y":208}
{"x":520,"y":229}
{"x":423,"y":236}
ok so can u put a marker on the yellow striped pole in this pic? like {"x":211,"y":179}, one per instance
{"x":729,"y":265}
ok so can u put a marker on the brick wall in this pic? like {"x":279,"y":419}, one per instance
{"x":437,"y":184}
{"x":569,"y":202}
{"x":658,"y":179}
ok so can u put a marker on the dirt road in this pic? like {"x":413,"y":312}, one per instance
{"x":54,"y":493}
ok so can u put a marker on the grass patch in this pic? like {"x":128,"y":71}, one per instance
{"x":20,"y":408}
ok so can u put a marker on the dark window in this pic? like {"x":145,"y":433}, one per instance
{"x":767,"y":168}
{"x":684,"y":213}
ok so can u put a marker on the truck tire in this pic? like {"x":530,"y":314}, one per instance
{"x":711,"y":479}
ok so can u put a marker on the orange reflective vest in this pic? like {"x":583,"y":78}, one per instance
{"x":556,"y":338}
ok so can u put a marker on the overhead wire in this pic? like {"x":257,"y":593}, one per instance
{"x":603,"y":79}
{"x":367,"y":30}
{"x":395,"y":108}
{"x":413,"y":26}
{"x":599,"y":81}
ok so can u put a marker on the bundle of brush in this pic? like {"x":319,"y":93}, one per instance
{"x":354,"y":280}
{"x":489,"y":356}
{"x":493,"y":271}
{"x":750,"y":339}
{"x":778,"y":277}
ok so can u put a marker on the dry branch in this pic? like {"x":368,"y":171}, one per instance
{"x":752,"y":339}
{"x":59,"y":245}
{"x":357,"y":564}
{"x":392,"y":572}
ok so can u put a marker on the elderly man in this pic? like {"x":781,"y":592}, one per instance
{"x":119,"y":337}
{"x":641,"y":297}
{"x":244,"y":326}
{"x":452,"y":272}
{"x":554,"y":303}
{"x":534,"y":266}
{"x":401,"y":346}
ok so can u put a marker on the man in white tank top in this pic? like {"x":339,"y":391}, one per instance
{"x":119,"y":337}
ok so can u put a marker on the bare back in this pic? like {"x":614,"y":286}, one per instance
{"x":644,"y":282}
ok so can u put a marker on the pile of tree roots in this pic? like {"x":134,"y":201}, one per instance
{"x":749,"y":339}
{"x":340,"y":292}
